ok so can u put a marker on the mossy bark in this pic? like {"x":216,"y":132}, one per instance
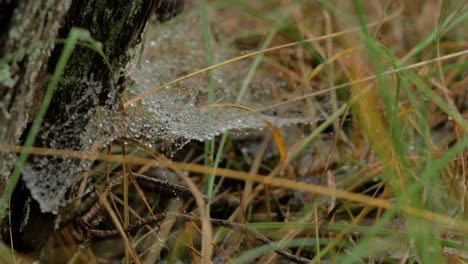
{"x":118,"y":26}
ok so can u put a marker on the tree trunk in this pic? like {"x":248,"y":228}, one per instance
{"x":118,"y":26}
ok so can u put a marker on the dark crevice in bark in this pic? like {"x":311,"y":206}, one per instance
{"x":25,"y":210}
{"x":6,"y":14}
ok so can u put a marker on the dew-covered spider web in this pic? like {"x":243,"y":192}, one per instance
{"x":177,"y":113}
{"x":179,"y":110}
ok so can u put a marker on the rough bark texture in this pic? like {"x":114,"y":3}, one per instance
{"x":118,"y":26}
{"x":25,"y":46}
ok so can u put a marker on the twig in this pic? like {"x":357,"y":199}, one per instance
{"x":99,"y":233}
{"x":89,"y":205}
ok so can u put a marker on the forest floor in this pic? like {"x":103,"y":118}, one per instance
{"x":326,"y":132}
